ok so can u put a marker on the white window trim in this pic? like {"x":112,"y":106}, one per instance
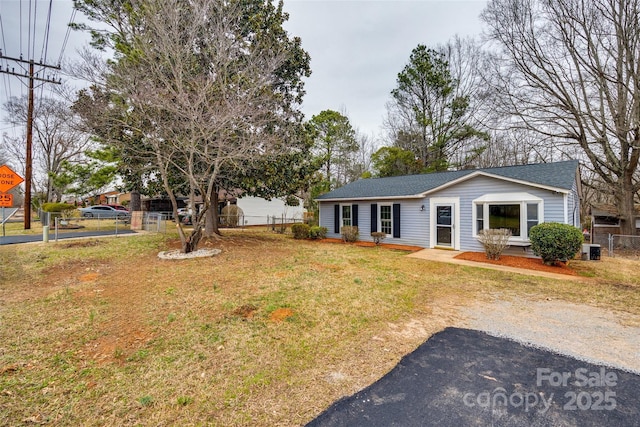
{"x":342,"y":212}
{"x":380,"y":217}
{"x":507,"y":199}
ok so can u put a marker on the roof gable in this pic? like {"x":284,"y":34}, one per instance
{"x":558,"y":176}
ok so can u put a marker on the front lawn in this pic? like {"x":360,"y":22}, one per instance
{"x":269,"y":332}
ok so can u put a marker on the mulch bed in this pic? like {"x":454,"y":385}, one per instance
{"x":519,"y":262}
{"x":372,"y":244}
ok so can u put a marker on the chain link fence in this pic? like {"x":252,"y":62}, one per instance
{"x":279,"y":224}
{"x":82,"y":227}
{"x":626,"y":246}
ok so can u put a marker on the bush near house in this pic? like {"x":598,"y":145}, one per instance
{"x":554,"y":242}
{"x":378,"y":236}
{"x":495,"y":241}
{"x":317,"y":232}
{"x":300,"y":231}
{"x":349,"y":234}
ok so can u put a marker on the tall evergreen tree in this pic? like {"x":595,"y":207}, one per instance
{"x":428,"y":113}
{"x":334,"y":144}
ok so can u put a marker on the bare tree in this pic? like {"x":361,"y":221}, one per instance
{"x":570,"y":71}
{"x":361,"y":163}
{"x":56,"y":135}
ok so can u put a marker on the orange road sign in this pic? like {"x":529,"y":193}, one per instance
{"x":6,"y":200}
{"x":8,"y":179}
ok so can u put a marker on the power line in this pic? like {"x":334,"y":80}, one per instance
{"x":45,"y":42}
{"x":32,"y":76}
{"x":66,"y":36}
{"x":7,"y":86}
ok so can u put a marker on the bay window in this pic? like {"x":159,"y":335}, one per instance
{"x":517,"y":212}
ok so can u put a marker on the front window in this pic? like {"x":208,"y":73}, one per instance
{"x":517,"y":212}
{"x":479,"y":217}
{"x":532,"y":216}
{"x":346,"y":215}
{"x":505,"y":216}
{"x":385,"y":219}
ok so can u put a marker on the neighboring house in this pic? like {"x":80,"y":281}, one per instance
{"x":447,"y":209}
{"x":605,"y":221}
{"x":117,"y":198}
{"x":259,"y":211}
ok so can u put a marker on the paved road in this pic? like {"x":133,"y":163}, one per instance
{"x":462,"y":377}
{"x":28,"y":238}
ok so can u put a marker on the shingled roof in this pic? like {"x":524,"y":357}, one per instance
{"x":558,"y":175}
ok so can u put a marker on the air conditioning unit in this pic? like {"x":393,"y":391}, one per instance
{"x":590,"y":252}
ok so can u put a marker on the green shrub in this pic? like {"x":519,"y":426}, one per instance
{"x":378,"y":236}
{"x":300,"y":231}
{"x":554,"y":242}
{"x":350,"y":234}
{"x":57,"y":207}
{"x":62,"y":210}
{"x":317,"y":232}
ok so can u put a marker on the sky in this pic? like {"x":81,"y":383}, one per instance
{"x":357,"y":48}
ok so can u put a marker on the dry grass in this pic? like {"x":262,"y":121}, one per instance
{"x":269,"y":332}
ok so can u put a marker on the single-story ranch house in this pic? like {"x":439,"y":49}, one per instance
{"x":447,"y":209}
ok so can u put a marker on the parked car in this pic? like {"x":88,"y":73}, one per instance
{"x":118,"y":207}
{"x":184,"y":216}
{"x":103,"y":211}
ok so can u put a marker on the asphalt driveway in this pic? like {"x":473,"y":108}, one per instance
{"x":30,"y":238}
{"x":463,"y":377}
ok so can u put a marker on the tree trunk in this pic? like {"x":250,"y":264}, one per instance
{"x":626,"y":208}
{"x":136,"y":201}
{"x":211,"y":219}
{"x":190,"y":243}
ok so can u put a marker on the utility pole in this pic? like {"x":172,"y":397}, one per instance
{"x":32,"y":76}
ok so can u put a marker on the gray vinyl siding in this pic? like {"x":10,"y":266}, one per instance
{"x":573,"y":207}
{"x":468,"y":191}
{"x":415,"y":223}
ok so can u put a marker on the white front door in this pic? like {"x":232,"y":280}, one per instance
{"x":445,"y":227}
{"x":444,"y":219}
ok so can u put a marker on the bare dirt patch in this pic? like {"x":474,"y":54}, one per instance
{"x":280,"y":314}
{"x":82,"y":244}
{"x":246,"y":311}
{"x":89,"y":277}
{"x":519,"y":262}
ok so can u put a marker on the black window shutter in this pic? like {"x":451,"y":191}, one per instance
{"x":374,"y":217}
{"x":396,"y":220}
{"x":336,"y":219}
{"x":354,"y":215}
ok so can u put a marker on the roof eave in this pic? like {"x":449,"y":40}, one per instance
{"x":343,"y":199}
{"x":504,"y":178}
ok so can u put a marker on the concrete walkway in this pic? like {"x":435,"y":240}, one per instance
{"x":448,"y":256}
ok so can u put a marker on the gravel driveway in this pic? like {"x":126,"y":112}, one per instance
{"x":584,"y":332}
